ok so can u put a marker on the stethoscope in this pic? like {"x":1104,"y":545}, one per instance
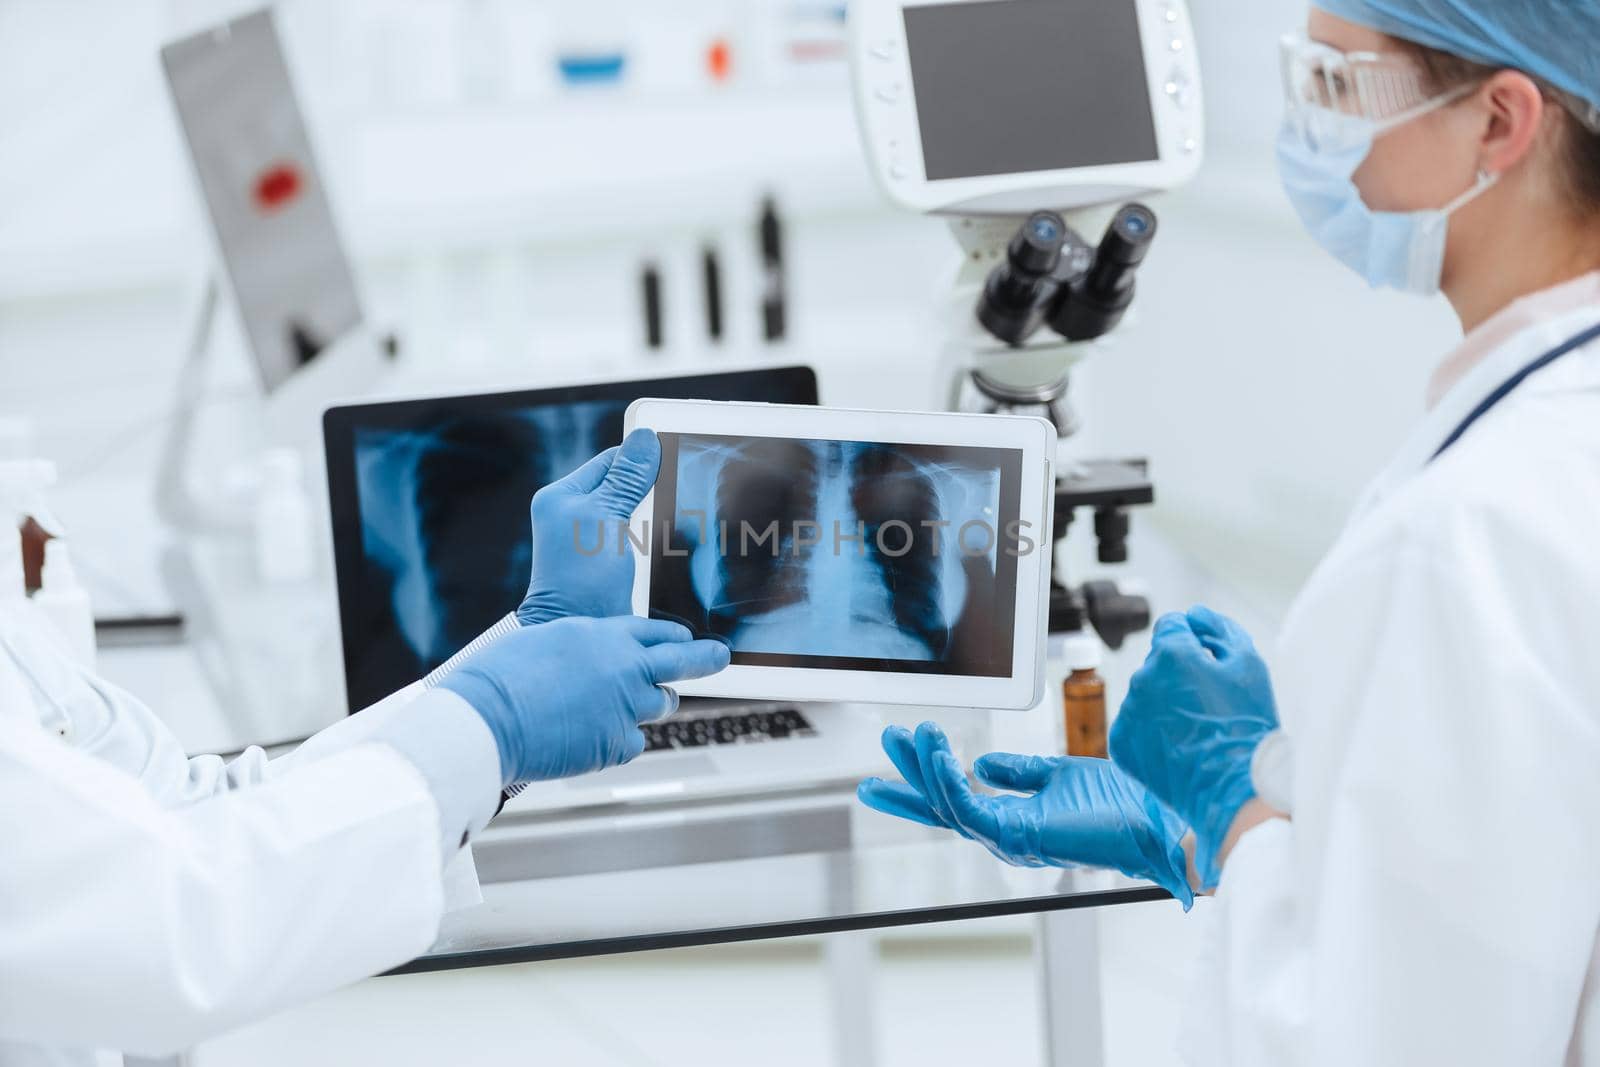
{"x":1505,"y":388}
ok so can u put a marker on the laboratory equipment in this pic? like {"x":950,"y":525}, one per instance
{"x":268,"y":204}
{"x":885,"y":556}
{"x":416,"y":580}
{"x":650,"y":303}
{"x":1022,"y":122}
{"x":578,"y":69}
{"x":415,"y":585}
{"x":1108,"y":488}
{"x":283,"y":261}
{"x":1083,"y":697}
{"x":23,"y":507}
{"x":13,"y":578}
{"x":999,"y":108}
{"x":711,"y":280}
{"x":774,"y":282}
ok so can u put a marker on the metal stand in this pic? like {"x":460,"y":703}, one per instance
{"x":850,"y":968}
{"x":851,"y":962}
{"x":1067,"y":951}
{"x":176,"y":501}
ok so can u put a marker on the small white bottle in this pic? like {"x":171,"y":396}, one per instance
{"x":13,"y":575}
{"x":13,"y":580}
{"x":64,"y":604}
{"x":285,"y":552}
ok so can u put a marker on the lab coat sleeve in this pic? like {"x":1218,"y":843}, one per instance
{"x":447,"y":741}
{"x":128,"y":925}
{"x":102,"y":720}
{"x":433,"y":728}
{"x":1436,"y":898}
{"x":1248,"y":1004}
{"x":442,"y":736}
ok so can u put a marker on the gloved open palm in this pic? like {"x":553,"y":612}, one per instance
{"x":581,"y":567}
{"x":1074,"y":810}
{"x":1190,"y":724}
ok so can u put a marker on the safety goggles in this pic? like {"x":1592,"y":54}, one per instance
{"x":1327,"y":92}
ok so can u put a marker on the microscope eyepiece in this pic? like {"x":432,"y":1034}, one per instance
{"x":1123,"y":247}
{"x":1036,"y":248}
{"x":1018,"y":291}
{"x":1044,"y":227}
{"x":1093,"y":305}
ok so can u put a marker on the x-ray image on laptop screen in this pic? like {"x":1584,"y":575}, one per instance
{"x":842,"y":555}
{"x":444,"y":514}
{"x":429,"y":500}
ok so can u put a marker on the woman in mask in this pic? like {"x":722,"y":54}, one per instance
{"x":1420,"y":882}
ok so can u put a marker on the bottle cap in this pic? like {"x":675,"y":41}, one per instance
{"x":1081,"y":651}
{"x":22,"y":486}
{"x":59,"y":574}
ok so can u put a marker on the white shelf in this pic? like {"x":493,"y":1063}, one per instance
{"x":608,"y":168}
{"x":592,"y":169}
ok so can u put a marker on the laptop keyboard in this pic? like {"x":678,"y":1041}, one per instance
{"x":741,"y":727}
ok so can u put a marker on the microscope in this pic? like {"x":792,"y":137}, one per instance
{"x":1052,"y":279}
{"x":1032,"y":125}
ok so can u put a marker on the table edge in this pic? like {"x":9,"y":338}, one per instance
{"x":723,"y":935}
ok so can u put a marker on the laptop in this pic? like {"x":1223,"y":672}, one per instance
{"x":429,"y":503}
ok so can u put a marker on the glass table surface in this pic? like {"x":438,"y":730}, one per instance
{"x":626,"y":880}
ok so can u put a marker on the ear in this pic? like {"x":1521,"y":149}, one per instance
{"x":1514,"y":113}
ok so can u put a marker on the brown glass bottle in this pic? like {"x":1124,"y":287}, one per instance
{"x":1083,"y":695}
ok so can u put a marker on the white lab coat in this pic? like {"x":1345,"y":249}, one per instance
{"x":148,"y":900}
{"x":1436,"y":898}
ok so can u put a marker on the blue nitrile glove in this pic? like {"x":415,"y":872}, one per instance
{"x":1078,"y":811}
{"x":581,"y":565}
{"x":1193,"y":717}
{"x":566,"y":697}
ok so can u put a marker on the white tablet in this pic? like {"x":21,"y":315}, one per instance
{"x":875,"y":556}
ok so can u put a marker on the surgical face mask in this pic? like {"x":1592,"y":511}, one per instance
{"x":1317,"y":162}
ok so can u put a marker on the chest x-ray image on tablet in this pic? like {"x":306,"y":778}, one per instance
{"x":848,"y":554}
{"x":848,"y":560}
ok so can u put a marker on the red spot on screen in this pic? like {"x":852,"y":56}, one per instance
{"x":719,"y":60}
{"x":277,"y":185}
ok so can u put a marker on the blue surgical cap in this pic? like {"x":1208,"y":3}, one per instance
{"x":1556,"y":40}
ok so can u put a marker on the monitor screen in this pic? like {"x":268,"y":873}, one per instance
{"x":429,"y":500}
{"x":843,"y":555}
{"x":1014,"y":86}
{"x":291,"y":280}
